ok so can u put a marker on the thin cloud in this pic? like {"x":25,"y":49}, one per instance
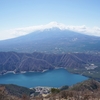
{"x":25,"y":30}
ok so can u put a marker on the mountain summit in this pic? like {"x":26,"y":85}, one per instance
{"x":52,"y":40}
{"x":13,"y":33}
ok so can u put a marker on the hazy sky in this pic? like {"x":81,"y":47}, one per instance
{"x":26,"y":13}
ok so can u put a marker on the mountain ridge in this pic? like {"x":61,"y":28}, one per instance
{"x":80,"y":63}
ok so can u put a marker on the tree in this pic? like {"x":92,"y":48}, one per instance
{"x":54,"y":90}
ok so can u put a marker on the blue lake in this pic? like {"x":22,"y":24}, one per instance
{"x":52,"y":78}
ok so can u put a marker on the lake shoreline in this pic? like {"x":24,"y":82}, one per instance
{"x":48,"y":78}
{"x":22,"y":72}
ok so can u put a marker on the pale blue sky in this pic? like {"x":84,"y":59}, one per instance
{"x":24,"y":13}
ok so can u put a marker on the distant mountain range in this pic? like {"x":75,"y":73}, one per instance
{"x":81,"y":63}
{"x":52,"y":40}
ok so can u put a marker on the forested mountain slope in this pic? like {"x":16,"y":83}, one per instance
{"x":82,"y":63}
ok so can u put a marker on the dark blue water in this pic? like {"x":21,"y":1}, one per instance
{"x":54,"y":78}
